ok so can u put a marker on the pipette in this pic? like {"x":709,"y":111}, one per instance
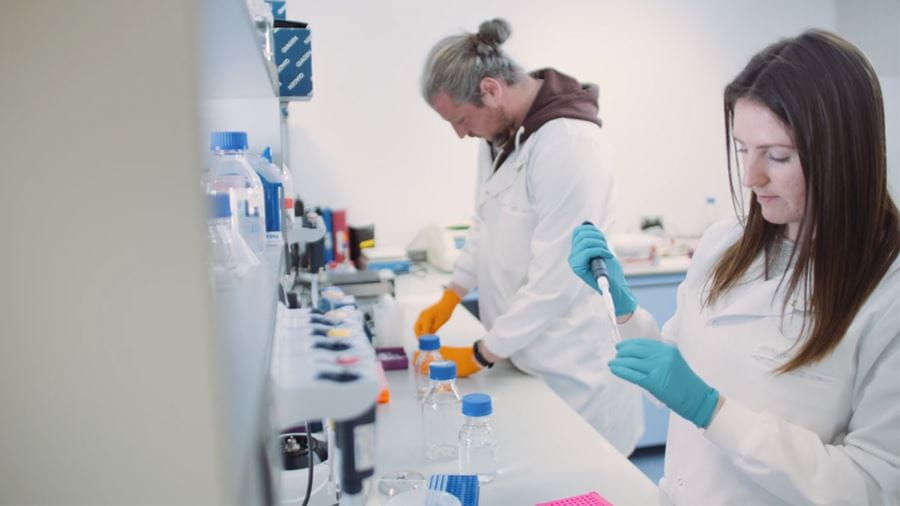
{"x":600,"y":273}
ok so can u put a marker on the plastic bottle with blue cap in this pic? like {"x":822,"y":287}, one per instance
{"x":477,"y":444}
{"x":233,"y":175}
{"x":441,"y":412}
{"x":429,"y":351}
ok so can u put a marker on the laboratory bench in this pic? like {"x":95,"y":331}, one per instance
{"x":654,"y":286}
{"x":546,"y":451}
{"x":660,"y":267}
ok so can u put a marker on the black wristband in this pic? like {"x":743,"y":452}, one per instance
{"x":483,"y":362}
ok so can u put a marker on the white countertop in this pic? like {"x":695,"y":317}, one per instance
{"x":546,"y":451}
{"x":663,"y":265}
{"x":431,"y":279}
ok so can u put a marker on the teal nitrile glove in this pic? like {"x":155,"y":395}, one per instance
{"x":589,"y":243}
{"x":661,"y":370}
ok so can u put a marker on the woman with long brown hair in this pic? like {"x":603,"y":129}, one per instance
{"x":782,"y":360}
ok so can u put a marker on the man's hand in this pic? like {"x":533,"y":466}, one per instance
{"x":436,"y":315}
{"x":464,"y":357}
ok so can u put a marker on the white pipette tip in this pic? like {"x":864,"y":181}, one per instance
{"x":603,"y":283}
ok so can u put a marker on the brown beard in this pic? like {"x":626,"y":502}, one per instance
{"x":506,"y":131}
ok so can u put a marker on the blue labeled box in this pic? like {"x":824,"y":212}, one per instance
{"x":293,"y":58}
{"x":279,"y":9}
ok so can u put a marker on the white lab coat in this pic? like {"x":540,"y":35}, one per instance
{"x":537,"y":312}
{"x":827,"y":433}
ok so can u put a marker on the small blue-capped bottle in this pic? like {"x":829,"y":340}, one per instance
{"x":429,"y":351}
{"x":477,"y":444}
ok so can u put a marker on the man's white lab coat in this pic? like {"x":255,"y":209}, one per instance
{"x":538,"y":313}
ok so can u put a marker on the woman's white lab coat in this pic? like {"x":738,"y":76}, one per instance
{"x":827,"y":433}
{"x":537,"y":312}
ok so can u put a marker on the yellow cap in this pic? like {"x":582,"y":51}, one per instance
{"x":339,"y":333}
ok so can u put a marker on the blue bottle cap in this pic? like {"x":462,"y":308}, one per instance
{"x":228,"y":141}
{"x":429,"y":342}
{"x":477,"y":405}
{"x":267,"y":154}
{"x":219,"y":205}
{"x":442,"y":370}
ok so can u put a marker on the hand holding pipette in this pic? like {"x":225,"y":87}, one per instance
{"x":592,"y":260}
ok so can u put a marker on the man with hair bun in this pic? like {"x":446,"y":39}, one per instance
{"x":542,"y":170}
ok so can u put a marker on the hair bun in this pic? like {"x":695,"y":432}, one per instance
{"x":494,"y":32}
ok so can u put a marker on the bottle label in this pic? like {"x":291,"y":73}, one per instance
{"x":274,"y":238}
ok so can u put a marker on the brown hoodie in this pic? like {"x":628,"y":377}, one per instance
{"x":560,"y":96}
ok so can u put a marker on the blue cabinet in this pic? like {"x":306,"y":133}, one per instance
{"x":656,"y":294}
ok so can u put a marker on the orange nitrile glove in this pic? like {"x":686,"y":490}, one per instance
{"x":436,"y":315}
{"x":464,"y":357}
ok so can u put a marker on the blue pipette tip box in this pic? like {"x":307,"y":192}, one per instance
{"x":463,"y":486}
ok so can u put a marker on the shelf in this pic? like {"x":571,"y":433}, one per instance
{"x":229,"y":60}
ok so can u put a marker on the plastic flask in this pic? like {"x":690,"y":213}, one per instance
{"x":441,"y":412}
{"x":233,"y":175}
{"x":287,"y":185}
{"x":477,"y":444}
{"x":273,"y":193}
{"x":229,"y":252}
{"x":429,"y":346}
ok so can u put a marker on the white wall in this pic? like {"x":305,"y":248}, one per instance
{"x":368,"y":142}
{"x":874,"y":25}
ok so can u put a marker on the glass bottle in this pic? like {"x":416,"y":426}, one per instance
{"x":477,"y":444}
{"x":429,"y":351}
{"x":441,"y":412}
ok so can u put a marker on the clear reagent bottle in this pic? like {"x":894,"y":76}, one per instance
{"x":477,"y":444}
{"x":232,"y":174}
{"x":441,"y":412}
{"x":429,"y":351}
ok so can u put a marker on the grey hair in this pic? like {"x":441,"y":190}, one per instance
{"x":457,"y":64}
